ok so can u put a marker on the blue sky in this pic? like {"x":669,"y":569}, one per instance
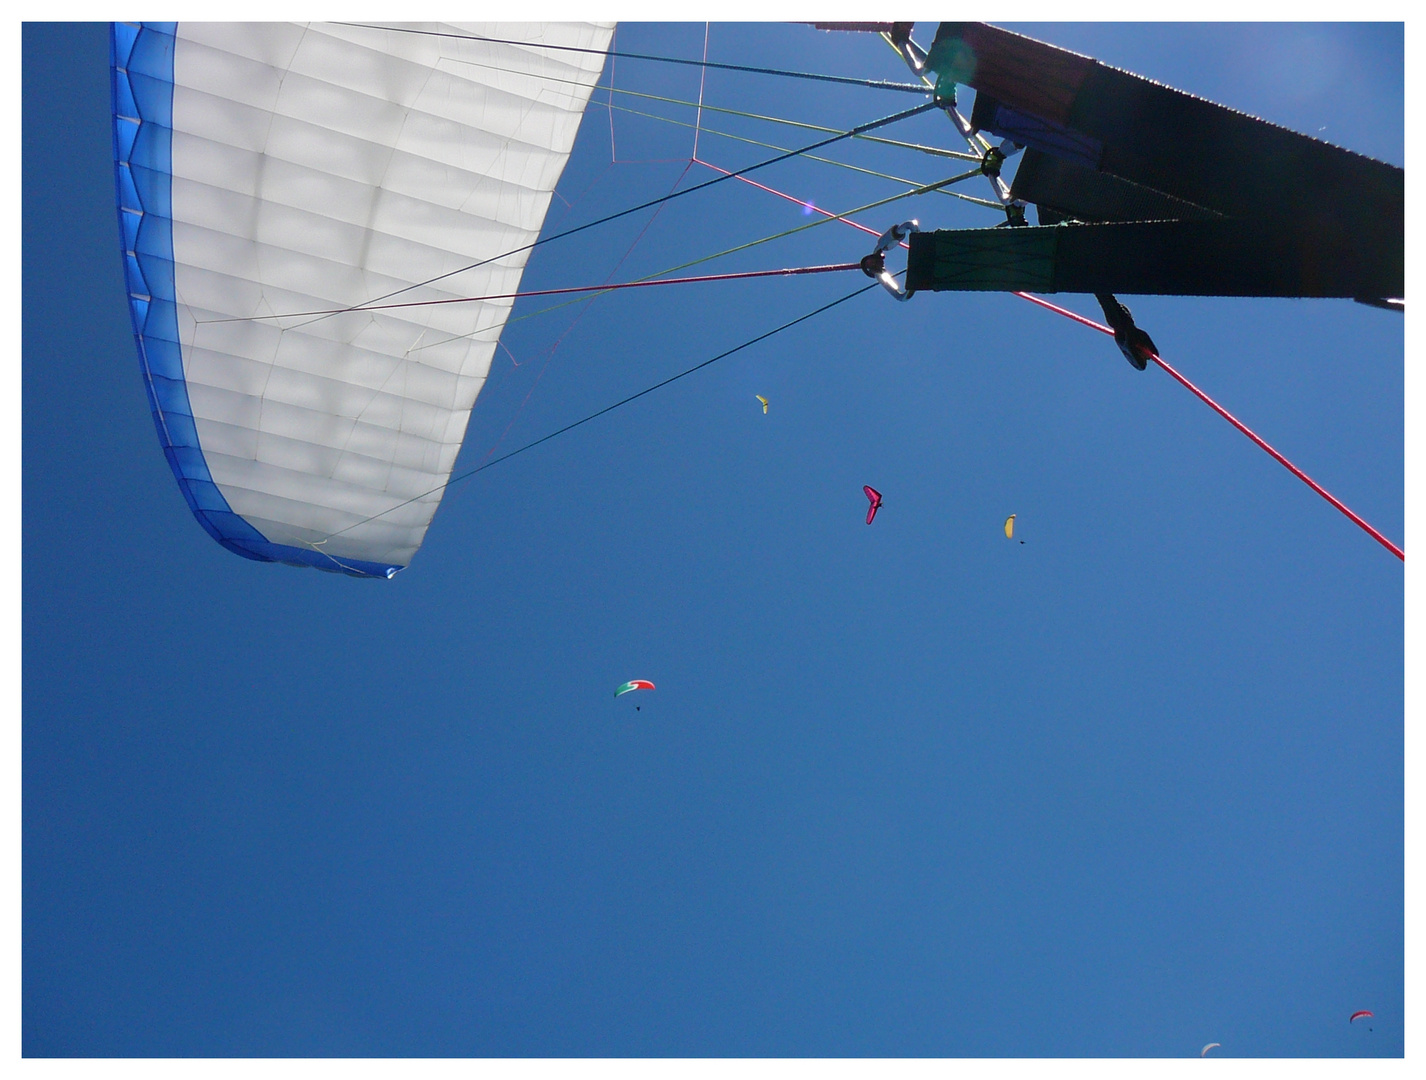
{"x":1131,"y":787}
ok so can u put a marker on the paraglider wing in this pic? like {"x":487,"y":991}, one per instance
{"x":1210,"y":1046}
{"x":1358,"y":1015}
{"x":634,"y":684}
{"x":875,"y":497}
{"x":1010,"y":527}
{"x":764,"y":401}
{"x":268,"y":169}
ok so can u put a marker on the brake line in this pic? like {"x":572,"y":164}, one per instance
{"x":1259,"y":440}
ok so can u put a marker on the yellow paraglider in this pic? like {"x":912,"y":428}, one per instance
{"x":1010,"y":527}
{"x":764,"y":401}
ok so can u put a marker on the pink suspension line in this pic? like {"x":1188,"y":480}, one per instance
{"x":790,"y":198}
{"x":1313,"y":484}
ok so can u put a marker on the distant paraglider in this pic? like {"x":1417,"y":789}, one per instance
{"x":1010,"y":528}
{"x":1210,"y":1046}
{"x":764,"y":401}
{"x":634,"y":684}
{"x":875,"y":497}
{"x":1358,"y":1015}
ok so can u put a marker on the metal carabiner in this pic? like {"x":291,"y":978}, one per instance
{"x":874,"y":265}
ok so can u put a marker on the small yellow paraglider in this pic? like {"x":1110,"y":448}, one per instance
{"x":1010,"y":526}
{"x":764,"y":401}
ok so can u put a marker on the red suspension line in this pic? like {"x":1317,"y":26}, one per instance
{"x":1313,"y":484}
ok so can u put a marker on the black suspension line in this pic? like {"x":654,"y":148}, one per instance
{"x":844,"y":80}
{"x":618,"y":404}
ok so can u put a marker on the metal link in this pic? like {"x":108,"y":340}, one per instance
{"x":874,"y":264}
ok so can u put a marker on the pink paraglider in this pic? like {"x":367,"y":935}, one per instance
{"x":875,"y":497}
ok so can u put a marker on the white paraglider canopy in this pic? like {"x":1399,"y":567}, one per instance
{"x":270,"y":170}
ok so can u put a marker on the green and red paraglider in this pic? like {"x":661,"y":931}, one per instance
{"x":634,"y":684}
{"x":631,"y":685}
